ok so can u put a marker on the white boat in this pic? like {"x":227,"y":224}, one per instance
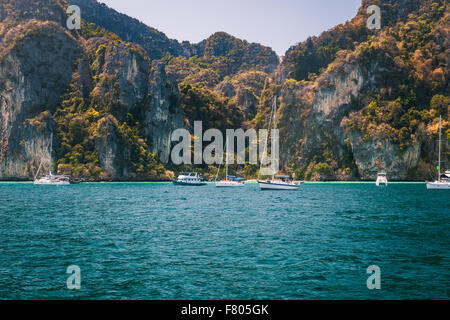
{"x":51,"y":179}
{"x":438,"y":185}
{"x":446,"y":176}
{"x":277,"y":182}
{"x":230,"y":181}
{"x":382,"y":179}
{"x":443,"y":181}
{"x":189,"y":179}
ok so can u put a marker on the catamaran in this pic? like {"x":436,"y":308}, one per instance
{"x":443,"y":181}
{"x":276,"y":182}
{"x":230,"y":181}
{"x":382,"y":179}
{"x":51,"y":179}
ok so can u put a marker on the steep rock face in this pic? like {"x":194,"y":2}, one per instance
{"x":35,"y":67}
{"x":380,"y":154}
{"x":14,"y":11}
{"x":247,"y":100}
{"x":165,"y":114}
{"x":246,"y":89}
{"x":334,"y":93}
{"x":108,"y":147}
{"x":42,"y":64}
{"x":377,"y":95}
{"x":142,"y":87}
{"x":313,"y":125}
{"x":118,"y":66}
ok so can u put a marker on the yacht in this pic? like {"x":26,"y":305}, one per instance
{"x":230,"y":181}
{"x":189,"y":179}
{"x":51,"y":179}
{"x":382,"y":179}
{"x":443,"y":181}
{"x":276,"y":182}
{"x":446,"y":176}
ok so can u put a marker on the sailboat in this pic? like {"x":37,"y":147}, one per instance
{"x":277,"y":182}
{"x":51,"y":179}
{"x":442,"y":183}
{"x":230,"y":181}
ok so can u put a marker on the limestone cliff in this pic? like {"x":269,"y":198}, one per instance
{"x":110,"y":108}
{"x":354,"y":102}
{"x":36,"y":65}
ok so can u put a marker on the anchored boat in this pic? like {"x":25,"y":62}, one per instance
{"x":277,"y":182}
{"x":443,"y":181}
{"x":51,"y":179}
{"x":230,"y":181}
{"x":189,"y":179}
{"x":382,"y":180}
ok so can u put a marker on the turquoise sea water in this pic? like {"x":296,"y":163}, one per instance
{"x":158,"y":241}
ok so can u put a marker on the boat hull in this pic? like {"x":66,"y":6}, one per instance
{"x":224,"y":184}
{"x":277,"y":186}
{"x":51,"y":183}
{"x":189,"y":184}
{"x":438,"y":186}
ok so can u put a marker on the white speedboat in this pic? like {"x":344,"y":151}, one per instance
{"x":277,"y":182}
{"x":382,"y":180}
{"x":189,"y":179}
{"x":443,"y":181}
{"x":51,"y":179}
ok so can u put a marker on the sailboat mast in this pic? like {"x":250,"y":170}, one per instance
{"x":222,"y":160}
{"x":51,"y":147}
{"x":226,"y":160}
{"x":274,"y":127}
{"x":263,"y":157}
{"x":440,"y":138}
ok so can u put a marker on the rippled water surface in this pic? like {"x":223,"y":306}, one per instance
{"x":158,"y":241}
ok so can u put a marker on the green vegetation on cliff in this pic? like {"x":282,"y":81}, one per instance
{"x":404,"y":74}
{"x":344,"y":95}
